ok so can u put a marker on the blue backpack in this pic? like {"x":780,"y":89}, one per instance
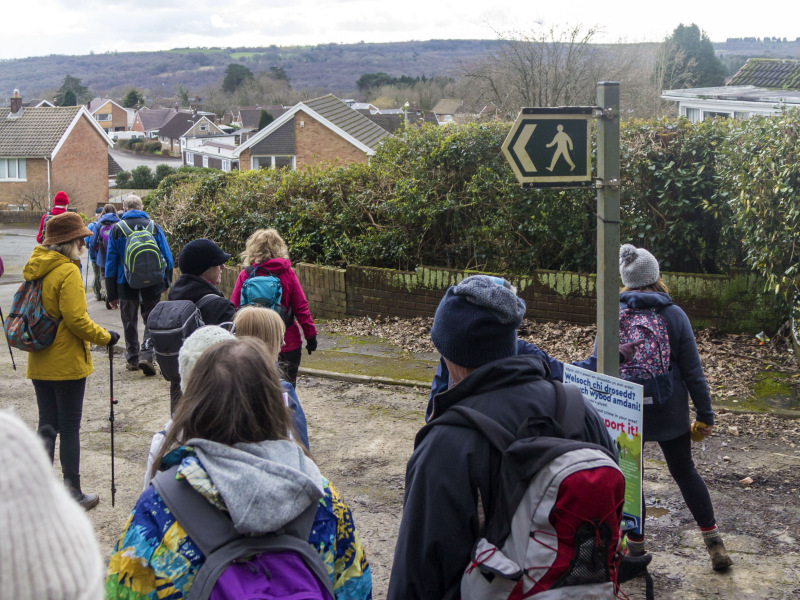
{"x":237,"y":567}
{"x":265,"y":291}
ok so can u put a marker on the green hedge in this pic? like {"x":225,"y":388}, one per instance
{"x":446,"y":197}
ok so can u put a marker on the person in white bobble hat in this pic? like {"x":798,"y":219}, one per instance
{"x":48,"y":549}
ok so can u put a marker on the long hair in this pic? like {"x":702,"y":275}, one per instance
{"x":69,"y":249}
{"x":109,"y":209}
{"x":263,"y":245}
{"x":658,"y":286}
{"x":261,"y":323}
{"x":233,"y":395}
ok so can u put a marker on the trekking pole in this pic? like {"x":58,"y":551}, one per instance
{"x":13,"y":364}
{"x":86,"y":279}
{"x":111,"y":416}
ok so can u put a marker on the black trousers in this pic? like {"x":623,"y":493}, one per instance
{"x":129,"y":308}
{"x":289,"y":363}
{"x":678,"y":455}
{"x":60,"y":410}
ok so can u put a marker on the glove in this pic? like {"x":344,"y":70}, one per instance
{"x":311,"y":344}
{"x":626,"y":351}
{"x":114,"y":338}
{"x":696,"y":432}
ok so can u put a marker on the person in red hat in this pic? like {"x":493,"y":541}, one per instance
{"x":60,"y":203}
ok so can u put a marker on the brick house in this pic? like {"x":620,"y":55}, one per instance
{"x":110,"y":115}
{"x":46,"y":149}
{"x":320,"y":131}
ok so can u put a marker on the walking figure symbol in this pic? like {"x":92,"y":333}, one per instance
{"x":563,"y":144}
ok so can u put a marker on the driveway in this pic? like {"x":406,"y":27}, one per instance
{"x":129,"y":161}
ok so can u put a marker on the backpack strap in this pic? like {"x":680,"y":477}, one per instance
{"x":206,"y":300}
{"x":570,"y":410}
{"x":124,"y":227}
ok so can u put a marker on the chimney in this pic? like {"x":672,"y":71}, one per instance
{"x":16,"y":102}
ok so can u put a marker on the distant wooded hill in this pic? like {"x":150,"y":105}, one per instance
{"x":328,"y":67}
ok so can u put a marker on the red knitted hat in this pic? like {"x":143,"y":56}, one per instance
{"x":61,"y":199}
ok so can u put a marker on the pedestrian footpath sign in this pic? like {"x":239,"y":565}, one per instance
{"x":551,"y":147}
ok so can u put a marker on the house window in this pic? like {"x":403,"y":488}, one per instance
{"x":103,"y":116}
{"x":693,"y":114}
{"x":13,"y":169}
{"x":273,"y":162}
{"x":205,"y":161}
{"x":189,"y":158}
{"x":226,"y":165}
{"x":707,"y":114}
{"x":203,"y":127}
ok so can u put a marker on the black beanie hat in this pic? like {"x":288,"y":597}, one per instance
{"x":477,"y":321}
{"x":198,"y":256}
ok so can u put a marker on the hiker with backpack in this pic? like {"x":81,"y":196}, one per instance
{"x":96,"y":277}
{"x":201,"y":263}
{"x":455,"y":492}
{"x":59,"y":370}
{"x":60,"y":203}
{"x":267,"y":279}
{"x":667,"y":363}
{"x":98,"y":248}
{"x":267,"y":325}
{"x":229,"y":475}
{"x":138,"y":267}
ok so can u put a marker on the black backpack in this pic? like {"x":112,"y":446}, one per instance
{"x":170,"y":323}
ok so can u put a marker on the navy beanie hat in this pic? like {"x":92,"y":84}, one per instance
{"x":477,"y":321}
{"x":198,"y":256}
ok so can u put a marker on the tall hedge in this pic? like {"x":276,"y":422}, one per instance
{"x":444,"y":196}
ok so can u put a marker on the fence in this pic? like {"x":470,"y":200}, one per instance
{"x":732,"y":304}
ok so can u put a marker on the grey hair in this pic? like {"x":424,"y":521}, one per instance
{"x":68,"y":249}
{"x":132,"y":203}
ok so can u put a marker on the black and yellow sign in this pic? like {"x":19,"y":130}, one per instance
{"x":551,"y":147}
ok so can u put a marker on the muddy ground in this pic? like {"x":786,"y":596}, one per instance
{"x":362,"y":435}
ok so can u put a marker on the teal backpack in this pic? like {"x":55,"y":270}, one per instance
{"x":28,"y":326}
{"x":266,"y":291}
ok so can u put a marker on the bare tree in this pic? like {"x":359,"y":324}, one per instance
{"x":546,"y":66}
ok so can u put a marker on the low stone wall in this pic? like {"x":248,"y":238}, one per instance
{"x":20,"y":216}
{"x":733,"y":304}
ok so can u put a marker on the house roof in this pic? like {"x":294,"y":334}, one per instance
{"x":392,"y":122}
{"x":154,"y":119}
{"x":179,"y":124}
{"x":40,"y":131}
{"x":36,"y":102}
{"x":739,"y":93}
{"x":448,"y":106}
{"x":98,"y":103}
{"x":280,"y":142}
{"x":769,"y":73}
{"x":334,"y":114}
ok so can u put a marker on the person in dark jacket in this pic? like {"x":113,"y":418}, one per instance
{"x":475,"y":330}
{"x":201,"y":263}
{"x":131,"y":301}
{"x":669,"y":424}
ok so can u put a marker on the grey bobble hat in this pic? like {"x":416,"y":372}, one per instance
{"x":637,"y":267}
{"x":194,"y":346}
{"x":477,"y":320}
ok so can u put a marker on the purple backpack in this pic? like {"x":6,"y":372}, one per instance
{"x":650,"y":366}
{"x":102,"y":241}
{"x":28,"y":326}
{"x":275,"y":565}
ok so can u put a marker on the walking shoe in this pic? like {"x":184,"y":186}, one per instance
{"x":89,"y":501}
{"x":147,"y":368}
{"x":720,"y":560}
{"x":132,"y":366}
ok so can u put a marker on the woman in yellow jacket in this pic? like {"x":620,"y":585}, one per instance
{"x":59,"y":371}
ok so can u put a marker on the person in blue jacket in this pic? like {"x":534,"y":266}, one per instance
{"x":97,"y":280}
{"x":97,"y":245}
{"x":129,"y":300}
{"x":669,"y":424}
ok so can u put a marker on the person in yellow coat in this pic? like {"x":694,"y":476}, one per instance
{"x":59,"y":371}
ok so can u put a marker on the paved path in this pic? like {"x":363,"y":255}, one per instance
{"x":130,"y":161}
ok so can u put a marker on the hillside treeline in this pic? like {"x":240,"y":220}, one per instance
{"x":706,"y":198}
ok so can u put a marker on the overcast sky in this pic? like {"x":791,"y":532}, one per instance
{"x":41,"y":27}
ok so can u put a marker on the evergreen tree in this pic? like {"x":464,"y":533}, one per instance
{"x":131,"y":99}
{"x":690,"y":57}
{"x":79,"y":91}
{"x":235,"y":76}
{"x":264,"y":120}
{"x":69,"y":99}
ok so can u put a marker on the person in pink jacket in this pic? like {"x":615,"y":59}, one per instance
{"x":266,"y":252}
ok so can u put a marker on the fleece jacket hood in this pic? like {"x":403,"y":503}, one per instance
{"x":42,"y":261}
{"x":264,"y":485}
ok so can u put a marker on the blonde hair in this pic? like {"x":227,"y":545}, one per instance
{"x":132,"y":203}
{"x":262,"y":323}
{"x":69,"y":249}
{"x":658,"y":286}
{"x":263,"y":245}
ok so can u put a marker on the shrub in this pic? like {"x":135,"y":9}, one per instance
{"x":123,"y":179}
{"x":151,"y":146}
{"x":142,"y":178}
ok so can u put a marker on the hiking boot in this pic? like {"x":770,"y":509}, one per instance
{"x":147,"y":367}
{"x":720,"y":560}
{"x":132,"y":366}
{"x":89,"y":501}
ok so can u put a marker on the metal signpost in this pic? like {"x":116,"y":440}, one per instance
{"x":551,"y":147}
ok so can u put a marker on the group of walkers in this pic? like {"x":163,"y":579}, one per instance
{"x":237,"y":436}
